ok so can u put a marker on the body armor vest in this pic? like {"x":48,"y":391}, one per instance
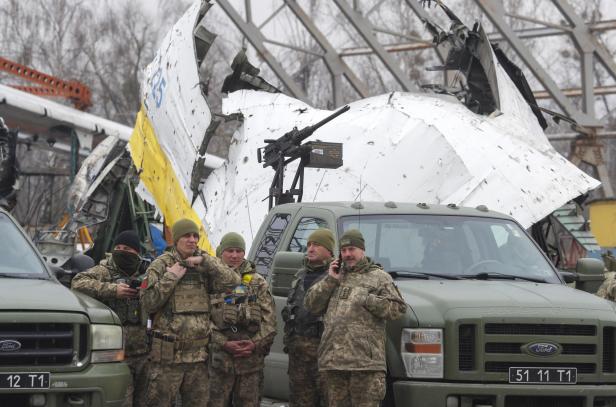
{"x":190,"y":295}
{"x":298,"y":320}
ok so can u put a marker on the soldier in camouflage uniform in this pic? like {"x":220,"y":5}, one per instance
{"x":302,"y":329}
{"x":244,"y":328}
{"x":110,"y":282}
{"x":357,"y":299}
{"x":176,"y":295}
{"x":609,"y":261}
{"x":607,"y":289}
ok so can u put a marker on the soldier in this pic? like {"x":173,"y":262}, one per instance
{"x":176,"y":295}
{"x":113,"y":282}
{"x":607,"y":289}
{"x":303,"y":330}
{"x":243,"y":332}
{"x":357,"y":299}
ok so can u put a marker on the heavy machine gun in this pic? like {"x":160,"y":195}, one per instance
{"x":287,"y":148}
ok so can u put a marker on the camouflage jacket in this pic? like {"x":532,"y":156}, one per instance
{"x":356,"y":308}
{"x":242,"y":312}
{"x":298,"y":320}
{"x":609,"y":260}
{"x":608,"y":288}
{"x":180,"y":308}
{"x":101,"y":282}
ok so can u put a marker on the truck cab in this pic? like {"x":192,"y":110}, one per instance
{"x":501,"y":325}
{"x":57,"y":347}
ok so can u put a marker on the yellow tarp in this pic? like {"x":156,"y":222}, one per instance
{"x":159,"y":178}
{"x":603,"y":221}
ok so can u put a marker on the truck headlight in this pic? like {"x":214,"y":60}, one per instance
{"x":422,"y":352}
{"x":107,"y":343}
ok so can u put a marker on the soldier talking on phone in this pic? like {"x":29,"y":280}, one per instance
{"x":356,"y":298}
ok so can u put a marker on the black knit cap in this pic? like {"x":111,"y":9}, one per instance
{"x":128,"y":238}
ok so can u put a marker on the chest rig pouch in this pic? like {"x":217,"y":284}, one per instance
{"x":250,"y":312}
{"x":237,"y":308}
{"x":128,"y":310}
{"x":190,"y":295}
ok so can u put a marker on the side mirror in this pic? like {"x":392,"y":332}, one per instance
{"x":590,"y":273}
{"x":284,"y":267}
{"x":58,"y":271}
{"x":568,"y":276}
{"x":589,"y":266}
{"x":81,"y":262}
{"x":77,"y":264}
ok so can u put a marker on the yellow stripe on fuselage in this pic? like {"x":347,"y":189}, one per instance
{"x":159,"y":178}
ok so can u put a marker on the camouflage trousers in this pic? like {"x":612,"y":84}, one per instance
{"x":166,"y":381}
{"x":304,"y":380}
{"x":243,"y":390}
{"x":136,"y":388}
{"x":354,"y":388}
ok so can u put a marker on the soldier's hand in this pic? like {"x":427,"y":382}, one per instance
{"x":242,"y":354}
{"x":177,"y":269}
{"x":247,"y":346}
{"x":194,"y":261}
{"x":334,"y":270}
{"x":125,"y":292}
{"x":232,"y":347}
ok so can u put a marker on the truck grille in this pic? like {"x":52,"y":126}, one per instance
{"x":540,"y":329}
{"x":492,"y":348}
{"x":609,"y":350}
{"x":41,"y":344}
{"x":516,"y":348}
{"x":466,"y":347}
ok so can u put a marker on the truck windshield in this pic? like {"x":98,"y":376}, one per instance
{"x":460,"y":246}
{"x":17,"y":257}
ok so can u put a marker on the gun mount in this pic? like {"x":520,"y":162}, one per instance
{"x":288,"y":148}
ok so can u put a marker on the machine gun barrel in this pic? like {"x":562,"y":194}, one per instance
{"x":288,"y":144}
{"x":307,"y":131}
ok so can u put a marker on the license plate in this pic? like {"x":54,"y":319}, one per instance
{"x":537,"y":375}
{"x":31,"y":380}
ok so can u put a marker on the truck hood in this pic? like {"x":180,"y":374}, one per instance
{"x":51,"y":296}
{"x":436,"y":301}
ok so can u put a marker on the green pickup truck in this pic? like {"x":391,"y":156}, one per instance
{"x":57,"y":347}
{"x":503,"y":327}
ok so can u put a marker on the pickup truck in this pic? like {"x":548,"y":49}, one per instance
{"x":504,"y":328}
{"x":57,"y":347}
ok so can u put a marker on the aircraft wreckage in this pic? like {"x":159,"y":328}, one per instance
{"x":479,"y":144}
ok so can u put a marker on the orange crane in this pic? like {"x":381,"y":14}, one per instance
{"x":50,"y":86}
